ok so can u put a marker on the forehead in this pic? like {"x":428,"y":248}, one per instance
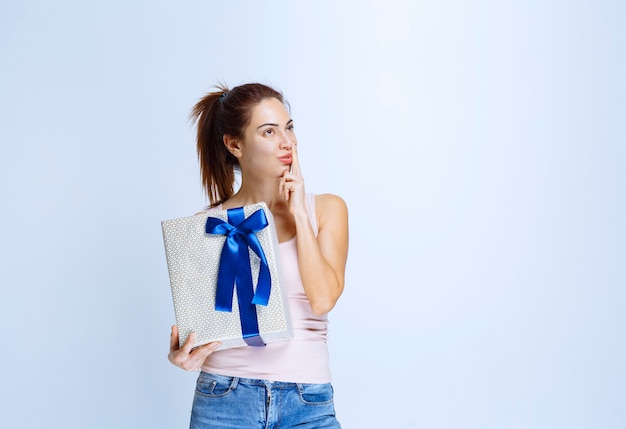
{"x":269,"y":110}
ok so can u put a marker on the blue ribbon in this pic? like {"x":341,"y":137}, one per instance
{"x":235,"y":268}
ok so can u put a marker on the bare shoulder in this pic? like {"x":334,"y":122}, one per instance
{"x":331,"y":208}
{"x":330,"y":204}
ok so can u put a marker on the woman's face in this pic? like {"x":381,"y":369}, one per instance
{"x":268,"y":140}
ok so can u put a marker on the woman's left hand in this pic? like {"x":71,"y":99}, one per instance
{"x":292,"y":184}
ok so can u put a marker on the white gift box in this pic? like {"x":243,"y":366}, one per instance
{"x":194,"y":258}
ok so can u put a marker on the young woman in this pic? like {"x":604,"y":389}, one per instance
{"x":284,"y":384}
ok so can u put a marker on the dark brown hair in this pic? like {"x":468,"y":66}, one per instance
{"x":218,"y":113}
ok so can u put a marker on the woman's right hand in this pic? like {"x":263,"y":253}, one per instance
{"x":185,"y":358}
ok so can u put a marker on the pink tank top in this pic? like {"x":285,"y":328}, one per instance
{"x":304,"y":358}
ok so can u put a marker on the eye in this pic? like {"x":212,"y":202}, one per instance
{"x":290,"y":127}
{"x":269,"y":132}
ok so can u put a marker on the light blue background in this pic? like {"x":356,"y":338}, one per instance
{"x":479,"y":146}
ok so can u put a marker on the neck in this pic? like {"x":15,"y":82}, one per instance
{"x":266,"y":191}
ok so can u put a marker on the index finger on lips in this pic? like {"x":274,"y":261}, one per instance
{"x":295,"y":163}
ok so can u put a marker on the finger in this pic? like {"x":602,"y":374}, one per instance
{"x":189,"y":343}
{"x":282,"y":186}
{"x":195,"y":360}
{"x":286,"y":191}
{"x":174,"y":339}
{"x":295,"y":162}
{"x":207,"y":349}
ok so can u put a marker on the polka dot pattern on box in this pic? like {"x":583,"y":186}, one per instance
{"x":193,"y":259}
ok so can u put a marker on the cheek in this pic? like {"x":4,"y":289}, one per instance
{"x":254,"y":148}
{"x":259,"y":154}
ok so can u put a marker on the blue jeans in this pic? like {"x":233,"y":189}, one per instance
{"x":244,"y":403}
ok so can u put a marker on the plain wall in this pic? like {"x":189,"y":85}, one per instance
{"x":478,"y":145}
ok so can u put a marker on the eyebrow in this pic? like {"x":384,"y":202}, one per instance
{"x":272,"y":125}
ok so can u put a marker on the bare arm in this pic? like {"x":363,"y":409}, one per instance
{"x":321,"y":259}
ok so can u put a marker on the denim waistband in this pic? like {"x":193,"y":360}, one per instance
{"x":234,"y":381}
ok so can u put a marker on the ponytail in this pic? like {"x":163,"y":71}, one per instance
{"x":216,"y":163}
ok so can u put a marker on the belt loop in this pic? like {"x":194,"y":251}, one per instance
{"x":234,"y":382}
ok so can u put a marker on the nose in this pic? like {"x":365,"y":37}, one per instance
{"x":287,"y":142}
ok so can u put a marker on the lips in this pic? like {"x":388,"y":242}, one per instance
{"x":285,"y":159}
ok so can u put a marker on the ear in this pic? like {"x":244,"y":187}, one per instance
{"x":232,"y":145}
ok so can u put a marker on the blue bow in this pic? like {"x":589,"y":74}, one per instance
{"x":235,"y":268}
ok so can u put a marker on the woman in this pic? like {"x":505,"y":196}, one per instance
{"x":283,"y":384}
